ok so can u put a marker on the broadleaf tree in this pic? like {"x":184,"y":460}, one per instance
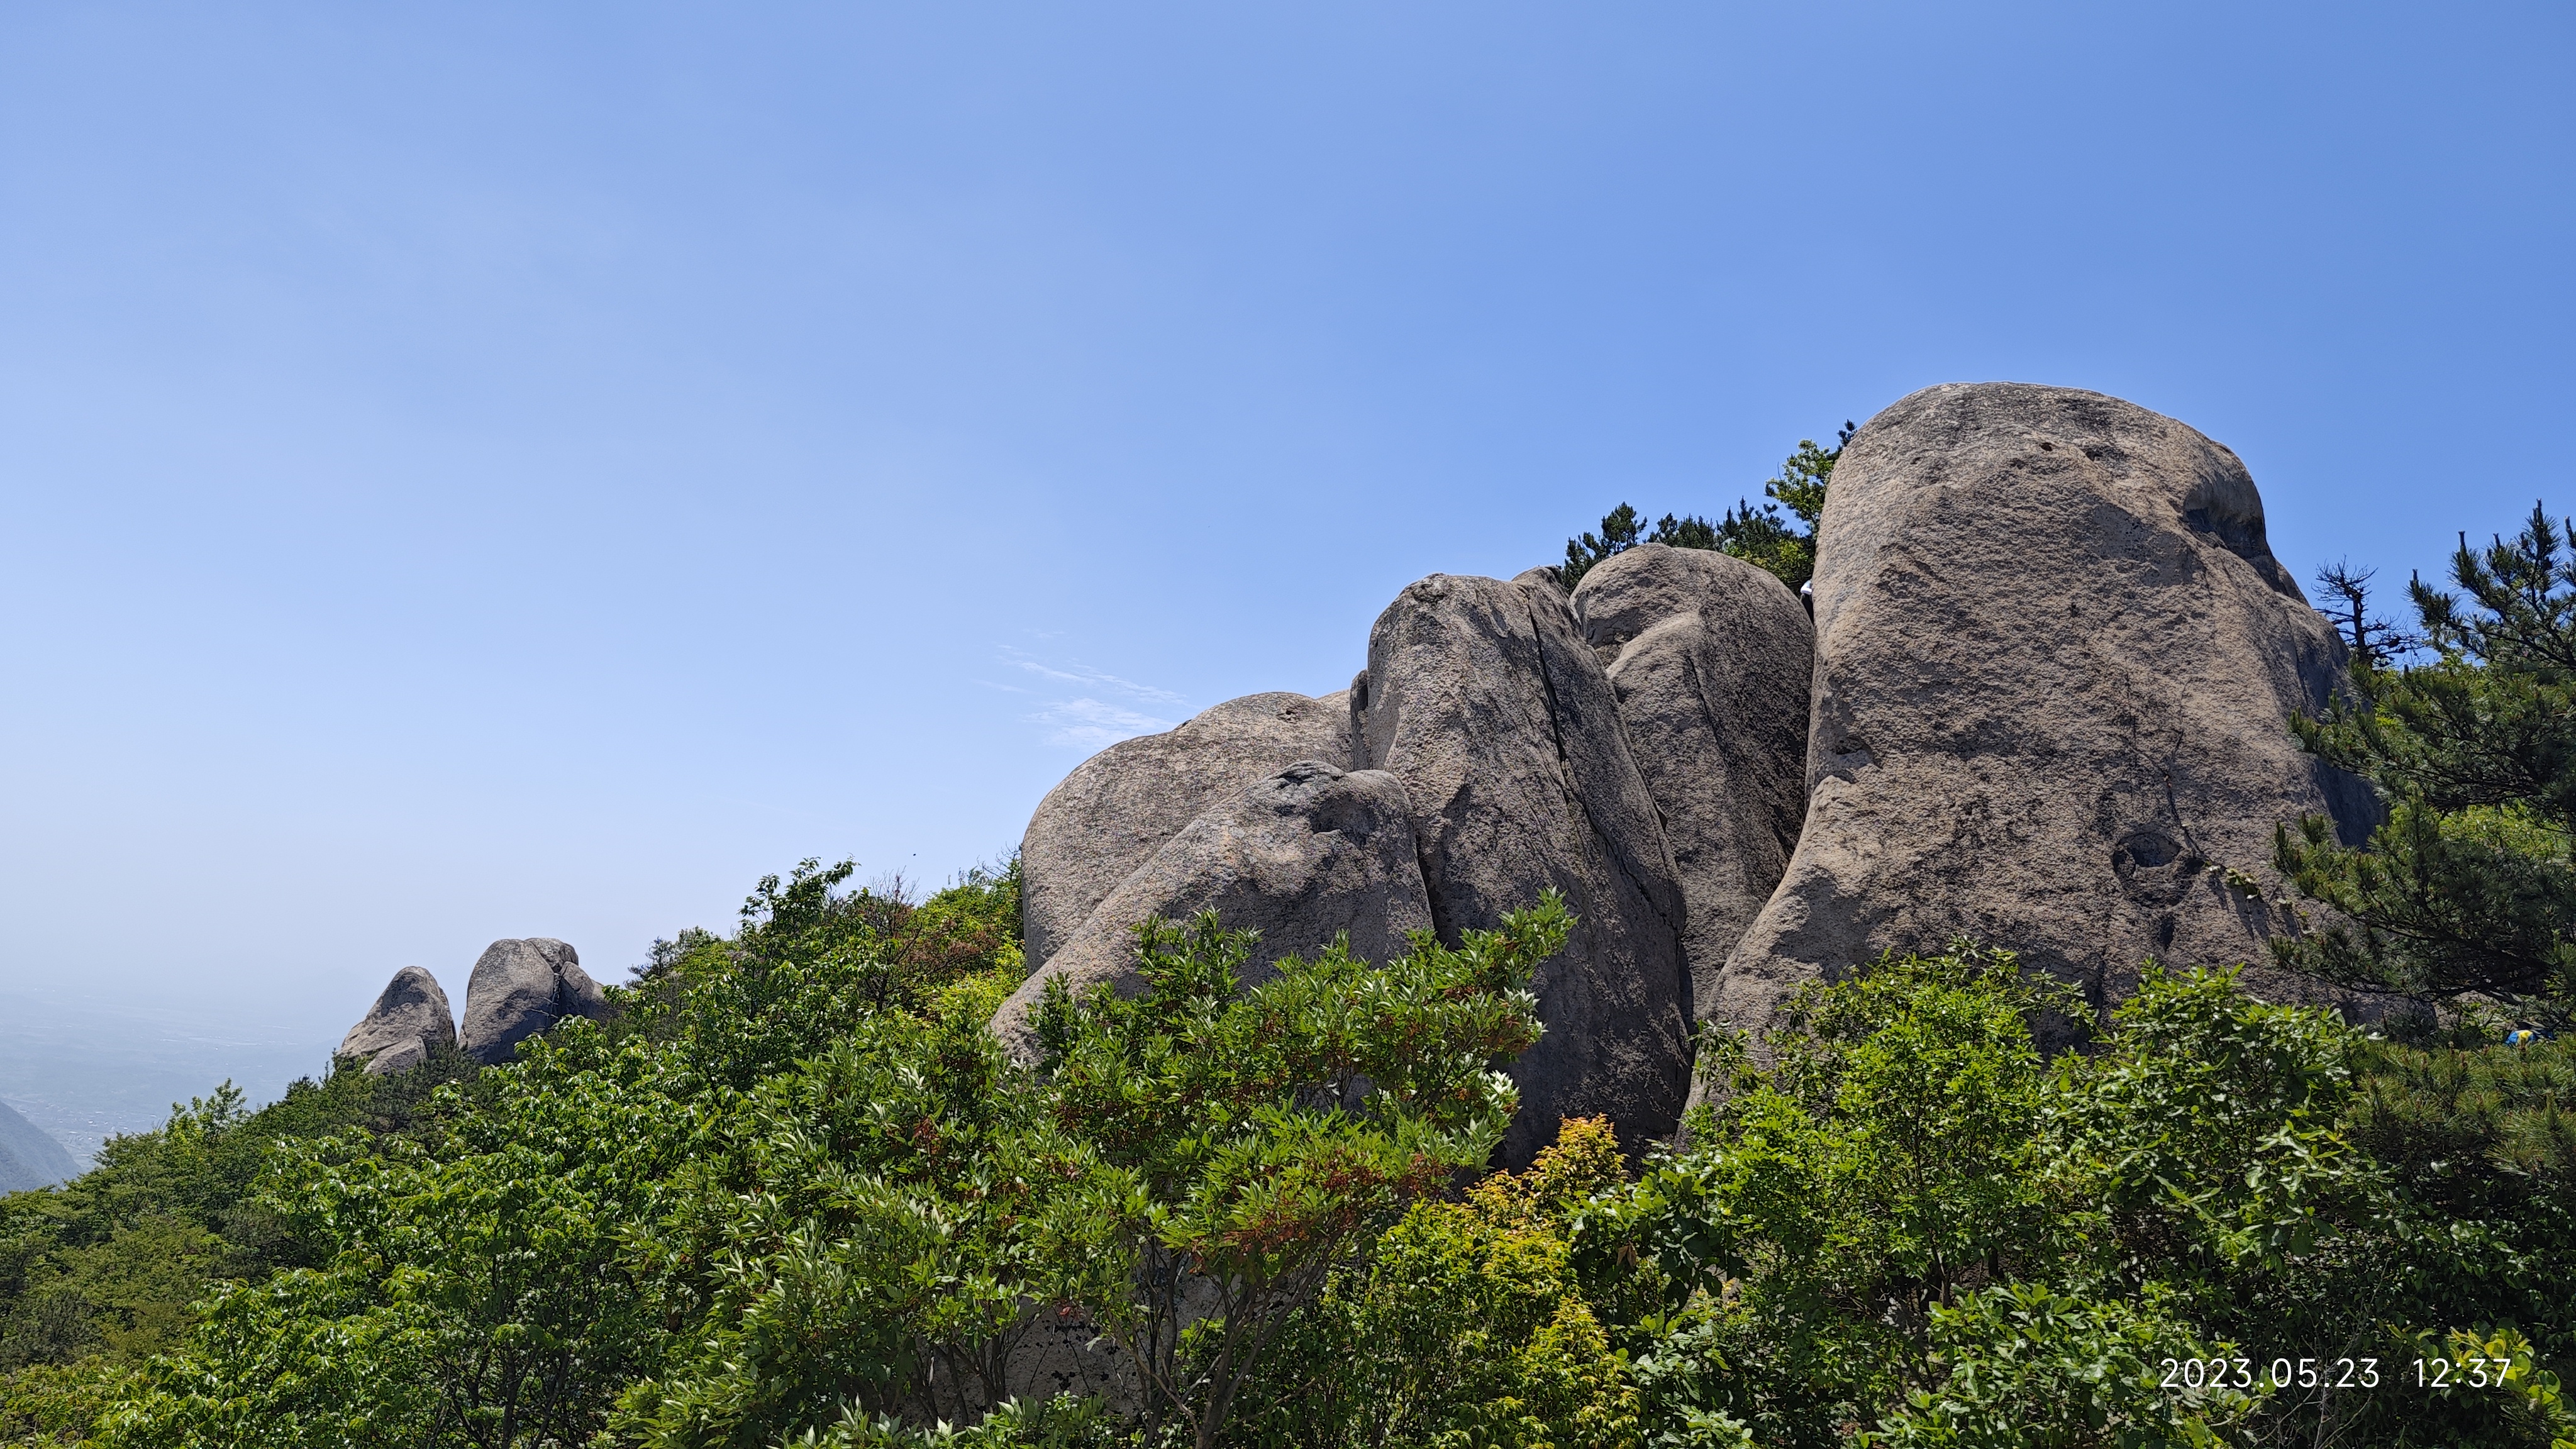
{"x":1231,"y":1148}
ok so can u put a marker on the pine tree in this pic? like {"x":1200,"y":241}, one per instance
{"x":2372,"y":641}
{"x":2468,"y":888}
{"x":1759,"y":535}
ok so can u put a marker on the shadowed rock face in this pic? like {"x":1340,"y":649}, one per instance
{"x":2054,"y":658}
{"x":1486,"y":701}
{"x":1710,"y":658}
{"x":409,"y":1020}
{"x":1119,"y":807}
{"x":1299,"y":856}
{"x":520,"y":988}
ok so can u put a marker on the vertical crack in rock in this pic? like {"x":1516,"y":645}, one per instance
{"x":1710,"y":663}
{"x":1598,"y":838}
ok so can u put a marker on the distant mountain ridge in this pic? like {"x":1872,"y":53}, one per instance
{"x":30,"y":1157}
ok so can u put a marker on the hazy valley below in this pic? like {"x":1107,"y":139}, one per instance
{"x":85,"y":1071}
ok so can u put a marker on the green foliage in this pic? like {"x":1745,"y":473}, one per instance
{"x":52,"y":1404}
{"x":1622,"y":530}
{"x":1758,"y":533}
{"x":473,"y":1293}
{"x":810,"y":962}
{"x":106,"y":1265}
{"x":2468,"y":887}
{"x":2479,"y":1223}
{"x":1909,"y":1219}
{"x":1782,"y":1272}
{"x":454,"y":1255}
{"x":1761,"y":535}
{"x":1066,"y":1421}
{"x":1465,"y":1326}
{"x":794,"y":1193}
{"x":1228,"y":1150}
{"x":2025,"y":1368}
{"x":856,"y":1236}
{"x":2207,"y":1137}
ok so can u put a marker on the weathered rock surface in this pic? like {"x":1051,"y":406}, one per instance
{"x":1545,"y":576}
{"x":2054,"y":657}
{"x":1120,"y":806}
{"x":1710,"y":658}
{"x":520,"y":988}
{"x":409,"y":1020}
{"x":1300,"y":855}
{"x":1485,"y":699}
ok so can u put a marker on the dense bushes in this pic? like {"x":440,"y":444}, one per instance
{"x":1913,"y":1221}
{"x":794,"y":1194}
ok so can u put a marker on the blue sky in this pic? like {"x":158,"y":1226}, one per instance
{"x":487,"y":470}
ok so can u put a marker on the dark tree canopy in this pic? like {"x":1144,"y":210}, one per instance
{"x":1761,"y":534}
{"x":2467,"y":889}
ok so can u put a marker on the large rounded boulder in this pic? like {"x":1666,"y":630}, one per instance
{"x":1120,"y":806}
{"x":521,"y":988}
{"x":1710,"y":659}
{"x":1486,"y":701}
{"x":2055,"y":661}
{"x":1301,"y":856}
{"x":410,"y":1020}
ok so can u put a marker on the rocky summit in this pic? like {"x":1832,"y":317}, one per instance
{"x":518,"y":989}
{"x":2055,"y":662}
{"x":2042,"y":702}
{"x":410,"y":1020}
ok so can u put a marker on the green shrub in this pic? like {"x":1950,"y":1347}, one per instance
{"x":1226,"y":1150}
{"x":1464,"y":1325}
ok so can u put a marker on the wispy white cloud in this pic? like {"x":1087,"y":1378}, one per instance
{"x":1085,"y":708}
{"x":1092,"y":724}
{"x":1088,"y":677}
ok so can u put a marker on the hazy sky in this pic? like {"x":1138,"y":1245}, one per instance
{"x":493,"y":470}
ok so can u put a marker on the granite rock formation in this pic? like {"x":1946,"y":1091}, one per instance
{"x":2038,"y":698}
{"x":1486,"y":701}
{"x":521,"y":988}
{"x":1710,"y":659}
{"x":1120,"y":806}
{"x":409,"y":1020}
{"x":2054,"y":662}
{"x":1300,"y":856}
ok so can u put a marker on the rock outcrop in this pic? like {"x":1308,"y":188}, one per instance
{"x":1710,"y":659}
{"x":521,"y":988}
{"x":1120,"y":806}
{"x":2054,"y":662}
{"x":409,"y":1020}
{"x":1545,"y":576}
{"x":1486,"y":701}
{"x":2038,"y":698}
{"x":1300,"y":856}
